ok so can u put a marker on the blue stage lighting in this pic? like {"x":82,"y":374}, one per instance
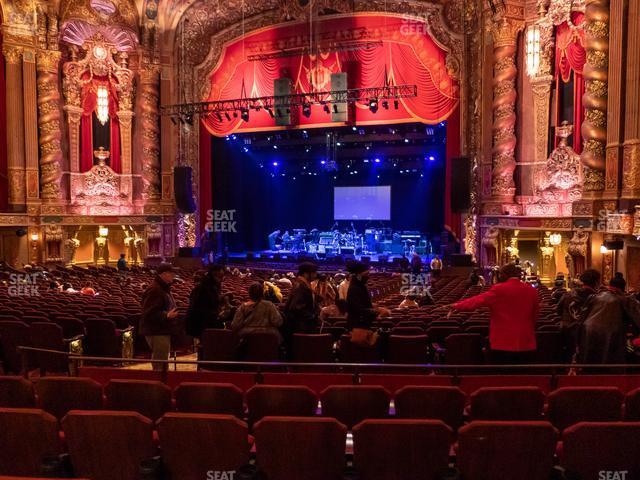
{"x":245,"y":149}
{"x":431,"y":158}
{"x":275,"y":164}
{"x":377,"y":160}
{"x":233,"y":137}
{"x":275,"y":147}
{"x":354,"y":128}
{"x":322,"y":162}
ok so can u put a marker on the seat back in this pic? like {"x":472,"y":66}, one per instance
{"x":549,"y":347}
{"x":632,"y":405}
{"x":71,"y":327}
{"x":570,"y":405}
{"x":507,"y":403}
{"x":218,"y":345}
{"x":435,"y":403}
{"x":147,"y":397}
{"x":590,"y":448}
{"x":102,"y":339}
{"x":49,"y":336}
{"x":261,"y":347}
{"x":108,"y":445}
{"x":403,"y":349}
{"x":27,"y":436}
{"x":350,"y":404}
{"x":281,"y":401}
{"x":317,"y":348}
{"x":219,"y":398}
{"x":352,"y":353}
{"x":16,"y":392}
{"x":464,"y":349}
{"x":195,"y":443}
{"x":295,"y":448}
{"x":401,"y":449}
{"x":506,"y":450}
{"x":13,"y":335}
{"x":438,"y":334}
{"x":59,"y":395}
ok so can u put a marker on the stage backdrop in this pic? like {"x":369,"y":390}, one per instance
{"x":404,"y":49}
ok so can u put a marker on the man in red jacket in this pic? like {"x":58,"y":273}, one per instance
{"x":514,"y":307}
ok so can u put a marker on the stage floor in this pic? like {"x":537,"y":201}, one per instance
{"x":290,"y":256}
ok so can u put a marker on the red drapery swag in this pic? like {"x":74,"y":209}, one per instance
{"x":4,"y":182}
{"x":571,"y":57}
{"x":402,"y":49}
{"x":89,"y":102}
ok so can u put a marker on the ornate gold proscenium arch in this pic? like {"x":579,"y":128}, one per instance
{"x":594,"y":127}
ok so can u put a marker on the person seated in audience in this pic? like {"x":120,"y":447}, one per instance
{"x":607,"y":314}
{"x":514,"y":308}
{"x":204,"y":303}
{"x":284,"y":282}
{"x":323,"y":291}
{"x":68,"y":288}
{"x":343,"y":287}
{"x":257,"y":315}
{"x":416,"y":264}
{"x":272,"y":292}
{"x":227,"y":309}
{"x":54,"y":285}
{"x":409,"y":302}
{"x":122,"y":264}
{"x":88,"y":289}
{"x":476,"y":279}
{"x":158,"y":320}
{"x":301,"y":310}
{"x":338,"y":309}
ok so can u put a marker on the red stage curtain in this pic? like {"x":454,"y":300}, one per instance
{"x":571,"y":56}
{"x":452,"y":221}
{"x":89,"y":101}
{"x":4,"y":182}
{"x":406,"y":52}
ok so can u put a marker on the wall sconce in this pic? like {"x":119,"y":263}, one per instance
{"x":603,"y":249}
{"x":533,"y":50}
{"x":103,"y":231}
{"x":555,"y":239}
{"x":34,"y":237}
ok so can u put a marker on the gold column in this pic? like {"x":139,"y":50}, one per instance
{"x":631,"y":156}
{"x":49,"y":123}
{"x":505,"y":35}
{"x":29,"y":90}
{"x":150,"y":128}
{"x":594,"y":127}
{"x":15,"y":128}
{"x":169,"y":134}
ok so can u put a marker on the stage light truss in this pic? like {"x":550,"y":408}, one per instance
{"x":242,"y":106}
{"x":323,"y":48}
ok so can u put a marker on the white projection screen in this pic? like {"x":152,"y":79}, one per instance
{"x":362,"y":203}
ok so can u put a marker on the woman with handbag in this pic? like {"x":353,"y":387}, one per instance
{"x":360,"y":311}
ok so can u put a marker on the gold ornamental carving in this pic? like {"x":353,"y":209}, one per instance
{"x":12,"y":54}
{"x":631,"y":169}
{"x":149,"y":120}
{"x":49,"y":125}
{"x":541,"y":87}
{"x":594,"y":127}
{"x":504,"y":32}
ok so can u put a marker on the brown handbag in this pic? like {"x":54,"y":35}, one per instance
{"x":364,"y":337}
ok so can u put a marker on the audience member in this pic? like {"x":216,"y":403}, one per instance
{"x":323,"y":291}
{"x":416,"y":264}
{"x":338,"y":309}
{"x":360,"y":311}
{"x":257,"y":314}
{"x":88,"y":289}
{"x":514,"y":309}
{"x":301,"y":310}
{"x":409,"y":302}
{"x":204,"y":303}
{"x":122,"y":264}
{"x":436,"y":266}
{"x":159,"y":314}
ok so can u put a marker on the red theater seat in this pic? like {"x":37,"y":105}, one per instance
{"x":149,"y":398}
{"x":194,"y":444}
{"x":506,"y":450}
{"x":626,"y":383}
{"x":436,"y":403}
{"x":471,"y":383}
{"x":632,"y":405}
{"x":282,"y":401}
{"x":591,"y":448}
{"x":108,"y":445}
{"x":260,"y":347}
{"x":27,"y":436}
{"x":220,"y":398}
{"x":401,"y":449}
{"x":294,"y":448}
{"x":570,"y":405}
{"x":352,"y":353}
{"x":354,"y":403}
{"x":312,"y":348}
{"x":464,"y":349}
{"x":58,"y":395}
{"x":394,"y":382}
{"x":407,"y":349}
{"x":12,"y":335}
{"x":507,"y":403}
{"x":16,"y":392}
{"x":218,"y":345}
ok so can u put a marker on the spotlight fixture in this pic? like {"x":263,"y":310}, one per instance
{"x":396,"y":104}
{"x":275,"y":164}
{"x":235,"y":114}
{"x":227,"y":116}
{"x":270,"y":112}
{"x":306,"y":110}
{"x":218,"y":116}
{"x":244,"y":114}
{"x":385,"y":104}
{"x":335,"y":108}
{"x":326,"y":108}
{"x":373,"y":105}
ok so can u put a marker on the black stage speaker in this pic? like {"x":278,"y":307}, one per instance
{"x":21,"y":232}
{"x":461,"y":260}
{"x":460,"y":184}
{"x":182,"y":190}
{"x":614,"y":244}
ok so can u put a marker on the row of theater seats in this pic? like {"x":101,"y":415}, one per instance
{"x":108,"y":445}
{"x":349,"y":404}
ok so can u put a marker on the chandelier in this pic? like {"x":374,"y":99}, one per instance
{"x":102,"y":107}
{"x":555,"y":239}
